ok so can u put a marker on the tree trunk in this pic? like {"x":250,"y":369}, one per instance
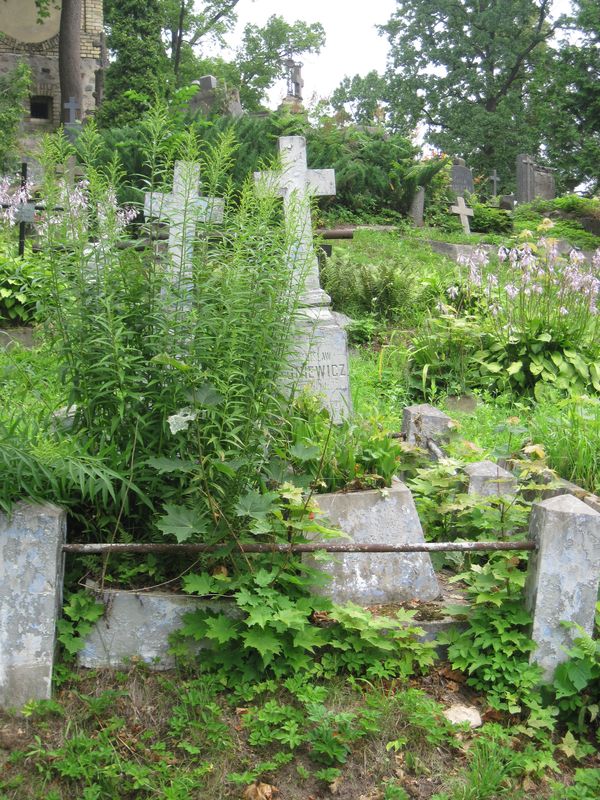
{"x":69,"y":56}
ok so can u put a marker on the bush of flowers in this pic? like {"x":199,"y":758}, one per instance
{"x":539,"y":313}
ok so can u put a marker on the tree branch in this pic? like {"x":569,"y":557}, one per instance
{"x":212,"y":22}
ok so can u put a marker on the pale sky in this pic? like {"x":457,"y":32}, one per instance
{"x":352,"y":46}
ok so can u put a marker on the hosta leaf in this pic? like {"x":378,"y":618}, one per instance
{"x":305,"y":452}
{"x":515,"y":367}
{"x":181,"y":522}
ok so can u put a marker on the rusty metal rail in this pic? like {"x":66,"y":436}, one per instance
{"x":312,"y":547}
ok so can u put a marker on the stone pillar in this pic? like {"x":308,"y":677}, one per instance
{"x":423,"y":423}
{"x":31,"y":578}
{"x":562,"y":584}
{"x":487,"y":479}
{"x":417,"y":207}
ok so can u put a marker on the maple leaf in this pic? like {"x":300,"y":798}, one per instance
{"x":182,"y":522}
{"x":263,"y":641}
{"x":221,"y":629}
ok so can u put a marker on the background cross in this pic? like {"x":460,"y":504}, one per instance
{"x":463,"y":212}
{"x":72,"y":107}
{"x":183,"y":209}
{"x":495,"y":181}
{"x":296,"y":184}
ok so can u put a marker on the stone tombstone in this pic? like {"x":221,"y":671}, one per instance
{"x":533,"y":180}
{"x":319,"y":357}
{"x":31,"y":577}
{"x":417,"y":207}
{"x":376,"y":517}
{"x":214,"y":96}
{"x":184,"y":210}
{"x":461,"y":181}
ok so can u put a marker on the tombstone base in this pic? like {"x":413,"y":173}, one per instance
{"x":319,"y":362}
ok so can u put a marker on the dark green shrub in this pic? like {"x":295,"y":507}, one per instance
{"x":489,"y":219}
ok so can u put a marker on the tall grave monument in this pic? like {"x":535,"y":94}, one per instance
{"x":320,"y":353}
{"x":533,"y":180}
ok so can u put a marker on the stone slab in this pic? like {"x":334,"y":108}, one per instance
{"x":22,"y":336}
{"x":137,"y":626}
{"x":563,"y":577}
{"x":375,"y":517}
{"x":487,"y":479}
{"x":423,"y":423}
{"x":31,"y":578}
{"x":456,"y":251}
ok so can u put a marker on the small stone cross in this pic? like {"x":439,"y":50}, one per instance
{"x":463,"y":212}
{"x":72,"y":107}
{"x":296,"y":184}
{"x":183,"y":209}
{"x":494,"y":178}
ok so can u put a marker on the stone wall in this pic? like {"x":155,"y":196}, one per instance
{"x":42,"y":55}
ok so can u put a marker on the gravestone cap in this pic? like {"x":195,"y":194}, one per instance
{"x":207,"y":83}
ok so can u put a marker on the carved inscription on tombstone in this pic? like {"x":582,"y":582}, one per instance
{"x":320,"y":361}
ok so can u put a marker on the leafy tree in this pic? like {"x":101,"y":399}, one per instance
{"x":567,"y":100}
{"x":14,"y":89}
{"x":463,"y":67}
{"x":260,"y":59}
{"x":361,"y":99}
{"x":186,"y":26}
{"x":140,"y":71}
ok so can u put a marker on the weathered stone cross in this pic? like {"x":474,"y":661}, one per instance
{"x":72,"y":107}
{"x":296,"y":184}
{"x":183,"y":209}
{"x":319,"y":354}
{"x":463,"y":212}
{"x":495,"y":181}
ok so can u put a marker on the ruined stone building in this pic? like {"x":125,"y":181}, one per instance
{"x":22,"y":37}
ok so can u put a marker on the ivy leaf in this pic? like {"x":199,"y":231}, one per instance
{"x":181,"y":522}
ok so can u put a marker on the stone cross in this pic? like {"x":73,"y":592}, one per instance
{"x":72,"y":107}
{"x":183,"y":209}
{"x":463,"y":212}
{"x":495,"y":181}
{"x":296,"y":184}
{"x":319,"y":351}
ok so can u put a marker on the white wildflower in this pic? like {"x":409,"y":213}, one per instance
{"x":181,"y":420}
